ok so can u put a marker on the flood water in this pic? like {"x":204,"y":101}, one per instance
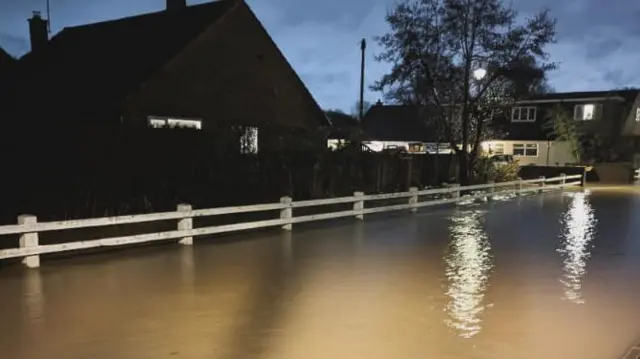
{"x":553,"y":276}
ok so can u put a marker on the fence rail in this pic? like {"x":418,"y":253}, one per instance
{"x":28,"y":227}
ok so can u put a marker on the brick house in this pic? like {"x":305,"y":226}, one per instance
{"x":209,"y":66}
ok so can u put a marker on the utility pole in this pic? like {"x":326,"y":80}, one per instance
{"x":363,"y":47}
{"x":48,"y":17}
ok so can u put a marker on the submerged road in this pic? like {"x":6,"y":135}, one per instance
{"x":552,"y":276}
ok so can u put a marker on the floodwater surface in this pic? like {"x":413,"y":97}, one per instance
{"x":553,"y":276}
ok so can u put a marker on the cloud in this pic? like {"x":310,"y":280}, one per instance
{"x":597,"y":45}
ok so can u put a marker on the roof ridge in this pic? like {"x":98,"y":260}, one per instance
{"x":139,"y":16}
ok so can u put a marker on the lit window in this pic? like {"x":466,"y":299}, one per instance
{"x":525,"y":150}
{"x":157,"y":122}
{"x":638,"y":114}
{"x":160,"y":122}
{"x":523,"y":114}
{"x":584,"y":112}
{"x":184,"y":123}
{"x":416,"y":148}
{"x":249,"y":141}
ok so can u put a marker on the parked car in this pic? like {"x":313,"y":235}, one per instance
{"x":501,"y":160}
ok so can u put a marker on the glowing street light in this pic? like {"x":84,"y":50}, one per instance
{"x":479,"y":74}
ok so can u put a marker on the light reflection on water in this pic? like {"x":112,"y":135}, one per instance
{"x":468,"y":266}
{"x":479,"y":282}
{"x":578,"y":229}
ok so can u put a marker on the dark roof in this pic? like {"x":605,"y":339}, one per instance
{"x":6,"y":60}
{"x":627,"y":95}
{"x":410,"y":123}
{"x":341,"y":124}
{"x":107,"y":60}
{"x":5,"y":57}
{"x":398,"y":123}
{"x":341,"y":119}
{"x":526,"y":131}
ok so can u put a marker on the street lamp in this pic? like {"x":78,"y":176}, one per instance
{"x":479,"y":74}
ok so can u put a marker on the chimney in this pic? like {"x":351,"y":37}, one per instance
{"x":38,"y":31}
{"x":176,"y":5}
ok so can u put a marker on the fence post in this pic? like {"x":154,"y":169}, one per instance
{"x":455,"y":192}
{"x":563,"y":180}
{"x":584,"y":177}
{"x":413,"y":200}
{"x":287,"y":212}
{"x":29,"y":240}
{"x":185,"y":223}
{"x":358,"y":205}
{"x":519,"y":187}
{"x":542,"y":182}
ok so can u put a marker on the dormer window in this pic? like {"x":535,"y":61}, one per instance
{"x":523,"y":114}
{"x":585,"y":112}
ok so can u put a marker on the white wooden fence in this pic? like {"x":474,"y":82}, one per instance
{"x":28,"y":227}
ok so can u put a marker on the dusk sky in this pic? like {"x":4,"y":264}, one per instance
{"x":598,"y":41}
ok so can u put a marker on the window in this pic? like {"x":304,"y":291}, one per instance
{"x":523,"y":114}
{"x":249,"y":140}
{"x":586,"y":112}
{"x":525,"y":150}
{"x":160,"y":122}
{"x":157,"y":122}
{"x":638,"y":114}
{"x":496,"y":149}
{"x":184,"y":123}
{"x":416,"y":148}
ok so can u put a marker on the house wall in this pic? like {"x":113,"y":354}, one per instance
{"x":550,"y":153}
{"x":609,"y":121}
{"x":631,"y":127}
{"x":233,"y":73}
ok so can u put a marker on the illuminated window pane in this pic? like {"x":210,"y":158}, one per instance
{"x":157,"y":122}
{"x":184,"y":123}
{"x":249,"y":141}
{"x":584,"y":112}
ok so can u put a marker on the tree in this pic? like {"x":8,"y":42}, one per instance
{"x":435,"y":46}
{"x":563,"y":127}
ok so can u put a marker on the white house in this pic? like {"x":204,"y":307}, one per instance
{"x":612,"y":115}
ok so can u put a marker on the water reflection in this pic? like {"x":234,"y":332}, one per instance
{"x":468,"y":265}
{"x":578,"y":229}
{"x":33,"y":294}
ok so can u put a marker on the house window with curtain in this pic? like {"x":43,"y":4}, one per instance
{"x":249,"y":140}
{"x":525,"y":149}
{"x":586,"y":112}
